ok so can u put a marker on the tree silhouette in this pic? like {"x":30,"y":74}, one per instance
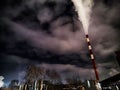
{"x":73,"y":78}
{"x":34,"y":73}
{"x":53,"y":76}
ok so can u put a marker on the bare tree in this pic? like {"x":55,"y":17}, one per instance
{"x":53,"y":76}
{"x":73,"y":78}
{"x":34,"y":73}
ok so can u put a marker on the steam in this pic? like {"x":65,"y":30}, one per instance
{"x":1,"y":81}
{"x":83,"y":7}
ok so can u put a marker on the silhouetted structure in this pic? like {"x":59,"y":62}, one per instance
{"x":118,"y":56}
{"x":111,"y":82}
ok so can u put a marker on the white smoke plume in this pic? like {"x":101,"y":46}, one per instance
{"x":83,"y":7}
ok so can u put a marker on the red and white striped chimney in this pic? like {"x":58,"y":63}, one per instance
{"x":92,"y":57}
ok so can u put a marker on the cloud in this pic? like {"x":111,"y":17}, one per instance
{"x":11,"y":64}
{"x":103,"y":33}
{"x":14,"y":59}
{"x":106,"y":42}
{"x":74,"y":42}
{"x":63,"y":40}
{"x":64,"y":70}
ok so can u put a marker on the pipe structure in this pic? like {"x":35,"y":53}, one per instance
{"x":92,"y":57}
{"x":20,"y":87}
{"x":25,"y":87}
{"x":35,"y":85}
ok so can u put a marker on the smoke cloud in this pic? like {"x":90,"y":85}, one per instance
{"x":84,"y":8}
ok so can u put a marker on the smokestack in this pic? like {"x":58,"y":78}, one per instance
{"x":84,"y":11}
{"x":92,"y":57}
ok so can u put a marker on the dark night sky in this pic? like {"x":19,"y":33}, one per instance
{"x":48,"y":33}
